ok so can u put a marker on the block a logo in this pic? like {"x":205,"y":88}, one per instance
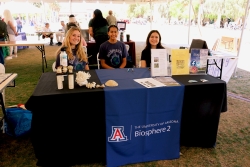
{"x":117,"y":134}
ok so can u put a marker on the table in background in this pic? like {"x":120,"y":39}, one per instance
{"x":214,"y":61}
{"x":231,"y":43}
{"x":80,"y":126}
{"x":3,"y":85}
{"x":21,"y":37}
{"x":91,"y":49}
{"x":217,"y":60}
{"x":40,"y":33}
{"x":38,"y":45}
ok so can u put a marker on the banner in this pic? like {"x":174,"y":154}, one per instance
{"x":228,"y":68}
{"x":21,"y":37}
{"x":141,"y":124}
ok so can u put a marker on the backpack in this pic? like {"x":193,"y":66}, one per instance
{"x":3,"y":29}
{"x":18,"y":121}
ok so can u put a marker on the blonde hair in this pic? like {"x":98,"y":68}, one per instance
{"x":80,"y":53}
{"x":7,"y":16}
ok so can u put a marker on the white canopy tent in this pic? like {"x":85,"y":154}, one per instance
{"x":126,"y":2}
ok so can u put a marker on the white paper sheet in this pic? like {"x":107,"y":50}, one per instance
{"x":168,"y":81}
{"x":159,"y":63}
{"x":149,"y":82}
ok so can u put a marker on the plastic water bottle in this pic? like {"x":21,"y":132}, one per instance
{"x":63,"y":57}
{"x":121,"y":36}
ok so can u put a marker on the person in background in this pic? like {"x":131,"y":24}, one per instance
{"x":47,"y":33}
{"x":60,"y":34}
{"x":76,"y":55}
{"x":98,"y":29}
{"x":19,"y":25}
{"x":111,"y":19}
{"x":12,"y":33}
{"x":72,"y":19}
{"x":3,"y":36}
{"x":153,"y":42}
{"x":113,"y":53}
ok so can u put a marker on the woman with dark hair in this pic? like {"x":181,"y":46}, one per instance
{"x":113,"y":53}
{"x":153,"y":42}
{"x":98,"y":29}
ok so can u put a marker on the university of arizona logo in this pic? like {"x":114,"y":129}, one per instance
{"x":117,"y":134}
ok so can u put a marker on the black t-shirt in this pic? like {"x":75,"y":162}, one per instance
{"x":3,"y":29}
{"x":146,"y":55}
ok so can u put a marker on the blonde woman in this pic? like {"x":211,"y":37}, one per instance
{"x":76,"y":55}
{"x":11,"y":28}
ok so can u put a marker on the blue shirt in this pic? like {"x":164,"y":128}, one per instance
{"x":75,"y":62}
{"x":113,"y":53}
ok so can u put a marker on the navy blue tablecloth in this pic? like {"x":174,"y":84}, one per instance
{"x":21,"y":37}
{"x":142,"y":124}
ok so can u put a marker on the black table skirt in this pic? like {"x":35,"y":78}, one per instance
{"x":78,"y":133}
{"x":202,"y":106}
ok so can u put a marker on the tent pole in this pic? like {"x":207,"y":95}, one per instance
{"x":198,"y":22}
{"x":241,"y":35}
{"x":189,"y":21}
{"x":70,"y":4}
{"x":150,"y":15}
{"x":44,"y":13}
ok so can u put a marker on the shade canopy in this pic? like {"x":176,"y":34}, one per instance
{"x":90,"y":1}
{"x":16,"y":9}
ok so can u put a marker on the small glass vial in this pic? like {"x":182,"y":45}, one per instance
{"x":59,"y":78}
{"x":71,"y":80}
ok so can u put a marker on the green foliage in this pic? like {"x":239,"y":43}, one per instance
{"x":137,"y":10}
{"x":180,"y":9}
{"x":37,"y":4}
{"x":164,"y":10}
{"x":210,"y":16}
{"x":55,"y":6}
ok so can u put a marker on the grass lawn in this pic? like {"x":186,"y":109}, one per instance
{"x":233,"y":139}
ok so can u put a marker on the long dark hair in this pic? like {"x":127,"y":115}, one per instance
{"x":98,"y":20}
{"x":148,"y":45}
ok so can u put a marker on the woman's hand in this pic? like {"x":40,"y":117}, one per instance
{"x":16,"y":34}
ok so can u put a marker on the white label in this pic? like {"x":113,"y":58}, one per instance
{"x":59,"y":82}
{"x":63,"y":59}
{"x":71,"y":81}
